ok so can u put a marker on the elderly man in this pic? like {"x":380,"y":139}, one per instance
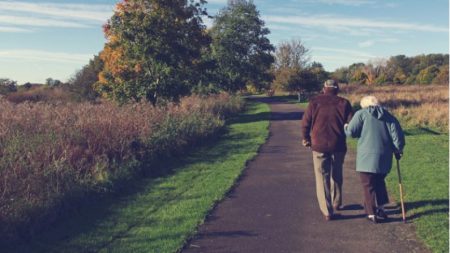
{"x":323,"y":131}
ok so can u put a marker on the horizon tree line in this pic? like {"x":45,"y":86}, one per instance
{"x":162,"y":50}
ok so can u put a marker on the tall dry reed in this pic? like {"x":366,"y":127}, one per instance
{"x":53,"y":152}
{"x":415,"y":105}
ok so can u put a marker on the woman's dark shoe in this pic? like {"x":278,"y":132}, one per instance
{"x":382,"y":214}
{"x":372,"y":218}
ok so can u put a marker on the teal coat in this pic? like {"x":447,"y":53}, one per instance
{"x":380,"y":134}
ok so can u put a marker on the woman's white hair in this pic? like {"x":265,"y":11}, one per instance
{"x":369,"y":101}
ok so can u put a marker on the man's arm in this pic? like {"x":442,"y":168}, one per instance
{"x":306,"y":125}
{"x":348,"y":112}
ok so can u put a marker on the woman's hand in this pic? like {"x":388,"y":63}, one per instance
{"x":398,"y":154}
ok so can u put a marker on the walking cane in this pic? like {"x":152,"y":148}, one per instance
{"x":401,"y":191}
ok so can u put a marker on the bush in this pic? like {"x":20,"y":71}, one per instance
{"x":41,"y":94}
{"x":52,"y":155}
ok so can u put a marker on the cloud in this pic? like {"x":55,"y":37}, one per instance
{"x":343,"y":2}
{"x":275,"y":27}
{"x":333,"y":58}
{"x":86,"y":12}
{"x":44,"y":56}
{"x":332,"y":22}
{"x":20,"y":16}
{"x":224,"y":2}
{"x":389,"y":40}
{"x":10,"y":29}
{"x":392,"y":5}
{"x":347,"y":52}
{"x":367,"y":43}
{"x":31,"y":21}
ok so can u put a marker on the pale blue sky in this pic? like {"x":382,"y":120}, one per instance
{"x":41,"y":39}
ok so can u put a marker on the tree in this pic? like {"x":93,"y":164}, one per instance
{"x":427,"y":75}
{"x":399,"y":69}
{"x":304,"y":81}
{"x":290,"y":58}
{"x":442,"y":76}
{"x":240,"y":47}
{"x":373,"y":70}
{"x":82,"y":83}
{"x":320,"y":74}
{"x":356,"y":73}
{"x":399,"y":77}
{"x":282,"y":77}
{"x":52,"y":82}
{"x":153,"y":50}
{"x":7,"y":86}
{"x":27,"y":85}
{"x":341,"y":74}
{"x":292,"y":54}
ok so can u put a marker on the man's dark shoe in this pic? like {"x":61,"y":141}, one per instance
{"x":338,"y":208}
{"x":327,"y":217}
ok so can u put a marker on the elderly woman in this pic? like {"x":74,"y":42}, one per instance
{"x":380,"y":136}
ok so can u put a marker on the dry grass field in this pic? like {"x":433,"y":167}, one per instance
{"x":424,"y":106}
{"x":51,"y":152}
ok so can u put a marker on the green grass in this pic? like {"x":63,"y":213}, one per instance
{"x":425,"y":173}
{"x":159,"y":215}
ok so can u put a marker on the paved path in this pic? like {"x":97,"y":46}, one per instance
{"x":273,"y":208}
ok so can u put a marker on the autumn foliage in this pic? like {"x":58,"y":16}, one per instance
{"x":153,"y":50}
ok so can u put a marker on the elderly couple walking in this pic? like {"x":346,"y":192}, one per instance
{"x":326,"y":123}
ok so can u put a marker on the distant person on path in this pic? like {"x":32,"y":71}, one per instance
{"x":380,"y":135}
{"x":323,"y":131}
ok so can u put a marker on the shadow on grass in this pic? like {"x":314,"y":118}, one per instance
{"x":421,"y":131}
{"x":436,"y":206}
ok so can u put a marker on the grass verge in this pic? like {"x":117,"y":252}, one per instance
{"x":159,"y":215}
{"x":425,"y":180}
{"x":424,"y":171}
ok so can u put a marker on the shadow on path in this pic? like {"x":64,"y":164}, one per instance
{"x":236,"y":233}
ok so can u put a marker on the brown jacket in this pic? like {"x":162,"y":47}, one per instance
{"x":323,"y":122}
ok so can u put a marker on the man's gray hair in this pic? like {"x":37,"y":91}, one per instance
{"x":369,"y":101}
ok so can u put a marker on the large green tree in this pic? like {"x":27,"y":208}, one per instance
{"x":241,"y":48}
{"x":82,"y":83}
{"x":153,"y":49}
